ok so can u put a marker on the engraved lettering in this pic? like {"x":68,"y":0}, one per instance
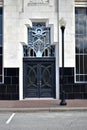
{"x":32,"y":2}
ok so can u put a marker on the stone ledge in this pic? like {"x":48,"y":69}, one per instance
{"x":80,"y":0}
{"x":49,"y":109}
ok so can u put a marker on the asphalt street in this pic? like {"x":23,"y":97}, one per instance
{"x":44,"y":121}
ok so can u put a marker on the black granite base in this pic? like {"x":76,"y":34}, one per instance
{"x":72,"y":90}
{"x":10,"y":89}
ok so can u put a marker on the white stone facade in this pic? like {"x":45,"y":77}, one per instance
{"x":67,"y":11}
{"x":19,"y":14}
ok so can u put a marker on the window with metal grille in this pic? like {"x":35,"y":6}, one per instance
{"x":81,"y":44}
{"x":39,"y":41}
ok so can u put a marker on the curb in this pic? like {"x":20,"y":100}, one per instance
{"x":32,"y":110}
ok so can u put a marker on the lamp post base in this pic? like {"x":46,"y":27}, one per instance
{"x":63,"y":102}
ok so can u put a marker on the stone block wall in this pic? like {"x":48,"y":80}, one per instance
{"x":10,"y":89}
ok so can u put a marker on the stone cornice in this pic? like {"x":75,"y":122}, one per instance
{"x":80,"y":0}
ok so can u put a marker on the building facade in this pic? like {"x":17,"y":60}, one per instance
{"x":31,"y":49}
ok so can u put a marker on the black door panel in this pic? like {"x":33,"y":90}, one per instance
{"x":39,"y":78}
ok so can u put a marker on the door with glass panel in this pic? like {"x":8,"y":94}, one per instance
{"x":39,"y":78}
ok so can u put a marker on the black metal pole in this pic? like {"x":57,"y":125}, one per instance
{"x":63,"y":102}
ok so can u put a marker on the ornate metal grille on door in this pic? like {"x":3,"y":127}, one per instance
{"x":39,"y":77}
{"x":39,"y":63}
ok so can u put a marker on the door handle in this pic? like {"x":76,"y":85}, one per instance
{"x":37,"y":83}
{"x":40,"y":83}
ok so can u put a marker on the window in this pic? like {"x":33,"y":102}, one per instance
{"x":1,"y":48}
{"x":81,"y":44}
{"x":39,"y":43}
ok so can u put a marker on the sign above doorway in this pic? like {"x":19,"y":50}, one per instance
{"x":37,"y":2}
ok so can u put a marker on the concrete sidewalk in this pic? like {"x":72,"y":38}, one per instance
{"x":42,"y":105}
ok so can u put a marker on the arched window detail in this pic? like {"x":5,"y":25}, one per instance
{"x":46,"y":52}
{"x":32,"y":53}
{"x":39,"y":43}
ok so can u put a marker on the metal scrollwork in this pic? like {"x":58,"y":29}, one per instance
{"x":38,"y":41}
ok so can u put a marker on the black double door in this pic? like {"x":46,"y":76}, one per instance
{"x":39,"y":78}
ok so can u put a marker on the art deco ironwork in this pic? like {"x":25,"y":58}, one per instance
{"x":39,"y":78}
{"x":39,"y":43}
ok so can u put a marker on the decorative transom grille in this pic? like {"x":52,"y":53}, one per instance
{"x":38,"y":41}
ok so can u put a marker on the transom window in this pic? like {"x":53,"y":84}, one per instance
{"x":81,"y":44}
{"x":39,"y":42}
